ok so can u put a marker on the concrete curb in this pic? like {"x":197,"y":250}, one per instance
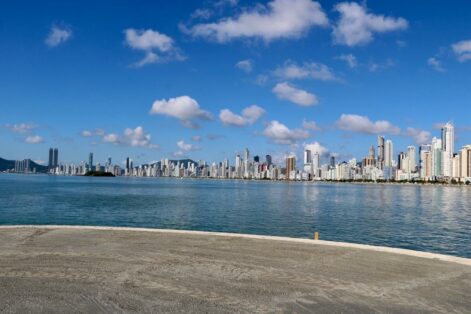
{"x":440,"y":257}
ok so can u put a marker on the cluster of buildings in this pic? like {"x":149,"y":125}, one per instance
{"x":432,"y":162}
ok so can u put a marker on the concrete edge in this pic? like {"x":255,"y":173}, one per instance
{"x":428,"y":255}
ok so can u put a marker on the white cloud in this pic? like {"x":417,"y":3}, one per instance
{"x":312,"y":70}
{"x":298,"y":96}
{"x":178,"y":154}
{"x":356,"y":26}
{"x":316,"y":147}
{"x":419,"y":136}
{"x":362,"y":124}
{"x":249,"y":116}
{"x":184,"y":108}
{"x":462,"y":50}
{"x":436,"y":64}
{"x":278,"y":19}
{"x":281,"y":134}
{"x":196,"y":138}
{"x":203,"y":14}
{"x":350,"y":59}
{"x":21,"y":127}
{"x":86,"y":133}
{"x":310,"y":125}
{"x":132,"y":137}
{"x":58,"y":35}
{"x":245,"y":65}
{"x":379,"y":66}
{"x":34,"y":139}
{"x":186,"y":147}
{"x":158,"y":47}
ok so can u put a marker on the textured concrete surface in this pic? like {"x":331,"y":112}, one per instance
{"x":60,"y":270}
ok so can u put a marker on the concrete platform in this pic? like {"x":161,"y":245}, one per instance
{"x":92,"y":270}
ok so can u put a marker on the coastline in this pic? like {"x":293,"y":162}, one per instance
{"x":375,"y":248}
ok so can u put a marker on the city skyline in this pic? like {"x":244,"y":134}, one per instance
{"x":173,"y":83}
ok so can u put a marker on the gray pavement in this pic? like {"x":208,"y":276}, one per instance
{"x":91,"y":271}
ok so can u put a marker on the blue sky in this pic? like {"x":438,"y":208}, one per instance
{"x":169,"y":79}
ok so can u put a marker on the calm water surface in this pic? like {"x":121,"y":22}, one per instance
{"x":427,"y":218}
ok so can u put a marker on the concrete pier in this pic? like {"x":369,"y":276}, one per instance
{"x":119,"y":270}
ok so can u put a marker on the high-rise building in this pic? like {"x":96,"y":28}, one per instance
{"x":268,"y":160}
{"x":448,"y":143}
{"x":400,"y":161}
{"x":247,"y":154}
{"x":388,"y":153}
{"x":256,"y":159}
{"x":50,"y":164}
{"x":332,"y":161}
{"x":316,"y":164}
{"x":412,"y":158}
{"x":372,"y":152}
{"x":55,"y":157}
{"x":90,"y":161}
{"x":437,"y":154}
{"x":465,"y":163}
{"x":425,"y":158}
{"x":380,"y":161}
{"x":127,"y":163}
{"x":290,"y":165}
{"x":307,"y":157}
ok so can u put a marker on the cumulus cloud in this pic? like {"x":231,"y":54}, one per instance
{"x":132,"y":137}
{"x":316,"y":147}
{"x":350,"y":59}
{"x":178,"y":154}
{"x":86,"y":133}
{"x":436,"y":64}
{"x":278,"y":19}
{"x":462,"y":50}
{"x":21,"y":127}
{"x":356,"y":26}
{"x":419,"y":136}
{"x":245,"y":65}
{"x":309,"y":70}
{"x":58,"y":35}
{"x":249,"y":116}
{"x":184,"y":108}
{"x":186,"y":146}
{"x":281,"y":134}
{"x":34,"y":139}
{"x":298,"y":96}
{"x":157,"y":47}
{"x":362,"y":124}
{"x":310,"y":125}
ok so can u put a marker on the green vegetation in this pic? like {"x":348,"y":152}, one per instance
{"x":98,"y":174}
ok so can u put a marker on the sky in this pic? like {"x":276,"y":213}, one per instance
{"x":207,"y":79}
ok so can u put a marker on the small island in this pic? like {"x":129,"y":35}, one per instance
{"x":98,"y":174}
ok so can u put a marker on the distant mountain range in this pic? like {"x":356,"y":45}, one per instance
{"x":6,"y":164}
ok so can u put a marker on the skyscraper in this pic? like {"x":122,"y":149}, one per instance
{"x":290,"y":165}
{"x":425,"y":152}
{"x":90,"y":161}
{"x":268,"y":159}
{"x":127,"y":163}
{"x":247,"y":154}
{"x":51,"y":158}
{"x":307,"y":157}
{"x":388,"y":153}
{"x":372,"y":152}
{"x":437,"y":154}
{"x":448,"y":143}
{"x":316,"y":164}
{"x":56,"y":158}
{"x":380,"y":162}
{"x":412,"y":158}
{"x":256,"y":159}
{"x":332,"y":161}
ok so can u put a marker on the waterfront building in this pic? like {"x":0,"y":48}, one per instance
{"x":90,"y":161}
{"x":50,"y":164}
{"x":381,"y":152}
{"x":465,"y":163}
{"x":56,"y":158}
{"x":290,"y":165}
{"x":437,"y":154}
{"x":448,"y":139}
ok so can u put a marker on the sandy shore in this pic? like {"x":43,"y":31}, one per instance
{"x":121,"y":270}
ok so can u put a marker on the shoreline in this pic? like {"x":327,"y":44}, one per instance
{"x":382,"y":249}
{"x":438,"y":184}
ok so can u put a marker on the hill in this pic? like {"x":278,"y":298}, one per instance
{"x":6,"y":164}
